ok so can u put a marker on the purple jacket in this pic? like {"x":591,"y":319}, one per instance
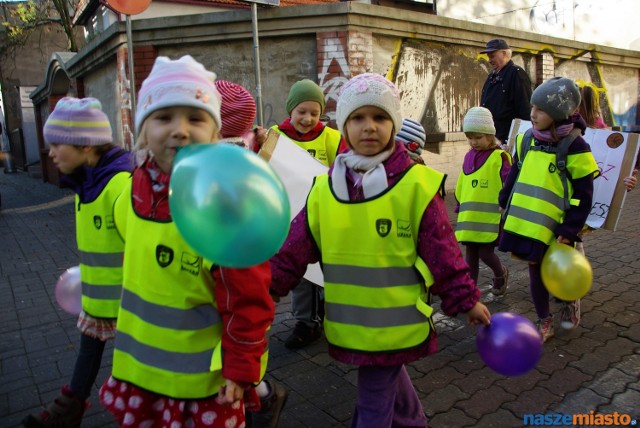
{"x":437,"y":246}
{"x":88,"y":182}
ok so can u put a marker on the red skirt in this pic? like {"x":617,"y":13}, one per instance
{"x":136,"y":407}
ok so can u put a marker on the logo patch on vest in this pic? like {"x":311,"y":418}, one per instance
{"x":383,"y":226}
{"x":474,"y":183}
{"x":97,"y":221}
{"x":111,"y":224}
{"x":312,"y":152}
{"x":404,"y":228}
{"x":484,"y":183}
{"x":164,"y":255}
{"x":552,"y":167}
{"x":190,"y":263}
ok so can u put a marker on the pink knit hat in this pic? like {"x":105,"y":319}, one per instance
{"x":183,"y":82}
{"x":238,"y":110}
{"x":78,"y":122}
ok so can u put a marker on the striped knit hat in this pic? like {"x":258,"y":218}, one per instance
{"x":180,"y":83}
{"x":412,"y":134}
{"x":479,"y":120}
{"x":78,"y":122}
{"x":238,"y":109}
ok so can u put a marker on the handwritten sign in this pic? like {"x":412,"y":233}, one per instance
{"x":615,"y":153}
{"x":297,"y":169}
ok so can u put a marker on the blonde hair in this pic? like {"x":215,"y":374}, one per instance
{"x":140,"y":150}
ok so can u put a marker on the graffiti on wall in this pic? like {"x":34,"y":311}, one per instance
{"x":438,"y":85}
{"x":334,"y":72}
{"x":126,"y":134}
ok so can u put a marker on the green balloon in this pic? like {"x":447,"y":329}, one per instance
{"x":228,"y":204}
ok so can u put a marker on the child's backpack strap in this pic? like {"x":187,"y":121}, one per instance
{"x":561,"y":150}
{"x":525,"y":145}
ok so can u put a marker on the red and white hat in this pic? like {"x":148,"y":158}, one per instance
{"x":238,"y":111}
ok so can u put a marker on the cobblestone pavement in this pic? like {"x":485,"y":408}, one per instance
{"x":593,"y":368}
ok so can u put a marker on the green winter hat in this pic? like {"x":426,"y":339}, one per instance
{"x":304,"y":90}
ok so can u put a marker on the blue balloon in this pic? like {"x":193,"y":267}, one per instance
{"x":228,"y":204}
{"x":511,"y":345}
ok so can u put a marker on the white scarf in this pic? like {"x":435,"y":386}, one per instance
{"x":374,"y":179}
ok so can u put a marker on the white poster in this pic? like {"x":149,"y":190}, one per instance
{"x":297,"y":169}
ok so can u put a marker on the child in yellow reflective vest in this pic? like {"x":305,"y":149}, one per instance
{"x":237,"y":113}
{"x":81,"y":146}
{"x":535,"y":196}
{"x":380,"y":227}
{"x":191,"y":335}
{"x":484,"y":169}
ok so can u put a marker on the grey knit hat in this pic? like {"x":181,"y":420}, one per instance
{"x":559,"y":97}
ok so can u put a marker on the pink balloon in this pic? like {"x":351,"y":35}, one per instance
{"x":69,"y":291}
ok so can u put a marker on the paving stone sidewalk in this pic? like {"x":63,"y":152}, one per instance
{"x":593,"y":368}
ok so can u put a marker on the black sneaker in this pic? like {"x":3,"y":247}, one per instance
{"x":270,"y":407}
{"x":302,"y":336}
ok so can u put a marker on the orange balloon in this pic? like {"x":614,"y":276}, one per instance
{"x":566,"y":272}
{"x":129,"y":7}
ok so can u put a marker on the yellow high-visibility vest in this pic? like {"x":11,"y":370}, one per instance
{"x":101,"y":250}
{"x":376,"y":286}
{"x":169,"y":329}
{"x":537,"y":200}
{"x":477,"y":193}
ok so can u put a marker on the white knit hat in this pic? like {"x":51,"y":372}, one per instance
{"x":369,"y":89}
{"x":183,"y":82}
{"x":479,"y":120}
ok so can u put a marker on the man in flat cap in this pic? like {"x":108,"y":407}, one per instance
{"x":507,"y":90}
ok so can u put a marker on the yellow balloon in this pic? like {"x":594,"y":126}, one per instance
{"x":566,"y":272}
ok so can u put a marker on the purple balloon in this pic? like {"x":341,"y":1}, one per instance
{"x":511,"y":345}
{"x":69,"y":291}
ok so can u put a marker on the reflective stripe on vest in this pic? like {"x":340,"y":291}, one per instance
{"x":324,"y":147}
{"x":101,"y":250}
{"x":477,"y":193}
{"x":169,"y":329}
{"x":537,"y":198}
{"x":376,"y":286}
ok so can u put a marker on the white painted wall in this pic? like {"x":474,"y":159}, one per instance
{"x":610,"y":23}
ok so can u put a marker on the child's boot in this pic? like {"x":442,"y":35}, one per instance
{"x":66,"y":411}
{"x":270,"y":407}
{"x":500,"y":283}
